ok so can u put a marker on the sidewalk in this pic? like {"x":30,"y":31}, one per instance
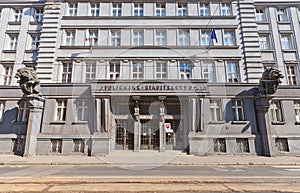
{"x":149,"y":158}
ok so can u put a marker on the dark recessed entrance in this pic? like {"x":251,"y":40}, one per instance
{"x":124,"y":135}
{"x":149,"y":135}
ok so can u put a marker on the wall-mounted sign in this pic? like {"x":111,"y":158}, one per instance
{"x":168,"y":128}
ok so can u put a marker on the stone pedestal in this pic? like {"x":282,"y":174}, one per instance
{"x":36,"y":106}
{"x":100,"y":144}
{"x":262,"y":106}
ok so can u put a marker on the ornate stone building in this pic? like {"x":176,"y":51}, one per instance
{"x":152,"y":75}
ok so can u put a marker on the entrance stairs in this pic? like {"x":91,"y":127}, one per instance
{"x":141,"y":157}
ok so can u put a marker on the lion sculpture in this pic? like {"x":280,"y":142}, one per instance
{"x":29,"y":82}
{"x":269,"y":81}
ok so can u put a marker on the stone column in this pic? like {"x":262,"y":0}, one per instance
{"x":98,"y":125}
{"x":262,"y":106}
{"x":36,"y":106}
{"x":162,"y":132}
{"x":137,"y":125}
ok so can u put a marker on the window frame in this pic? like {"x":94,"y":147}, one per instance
{"x":38,"y":14}
{"x":183,"y":37}
{"x":185,"y":69}
{"x":138,"y":74}
{"x":160,"y":73}
{"x":204,"y":8}
{"x":292,"y":77}
{"x":182,"y":9}
{"x":13,"y":41}
{"x":297,"y":111}
{"x":95,"y":9}
{"x":162,"y":38}
{"x":116,"y":9}
{"x":2,"y":110}
{"x":260,"y":15}
{"x":138,"y":36}
{"x":90,"y":71}
{"x":161,"y":9}
{"x":82,"y":112}
{"x":210,"y":72}
{"x":67,"y":75}
{"x":115,"y":36}
{"x":23,"y":112}
{"x":18,"y":14}
{"x":286,"y":41}
{"x":229,"y":38}
{"x":281,"y":14}
{"x":72,"y":9}
{"x":35,"y":42}
{"x":137,"y":10}
{"x":205,"y":35}
{"x":237,"y":106}
{"x":276,"y":111}
{"x":215,"y":109}
{"x":70,"y":37}
{"x":114,"y":70}
{"x":226,"y":9}
{"x":60,"y":110}
{"x":8,"y":74}
{"x":264,"y":42}
{"x":232,"y":76}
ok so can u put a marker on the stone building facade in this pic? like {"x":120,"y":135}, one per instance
{"x":144,"y":76}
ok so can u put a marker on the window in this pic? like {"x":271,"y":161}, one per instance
{"x":8,"y":70}
{"x":276,"y":113}
{"x":56,"y":145}
{"x":116,"y":38}
{"x":264,"y":42}
{"x":185,"y":70}
{"x":38,"y":15}
{"x":73,"y":9}
{"x":237,"y":110}
{"x":82,"y":110}
{"x":117,"y":9}
{"x":13,"y":44}
{"x":242,"y":145}
{"x":286,"y":42}
{"x":23,"y":112}
{"x":281,"y":144}
{"x":78,"y":145}
{"x":229,"y":38}
{"x":160,"y":37}
{"x":70,"y":38}
{"x":61,"y":109}
{"x":215,"y":110}
{"x":18,"y":15}
{"x":203,"y":9}
{"x":93,"y":38}
{"x":161,"y":70}
{"x":160,"y":9}
{"x":95,"y":9}
{"x":260,"y":15}
{"x":182,"y":9}
{"x":291,"y":74}
{"x":220,"y":145}
{"x":208,"y":72}
{"x":138,"y":37}
{"x":137,"y":70}
{"x":138,"y":9}
{"x":35,"y":42}
{"x":90,"y":71}
{"x":67,"y":72}
{"x":297,"y":111}
{"x":2,"y":107}
{"x":232,"y":72}
{"x":281,"y":15}
{"x":205,"y":38}
{"x":225,"y":9}
{"x":114,"y":70}
{"x":183,"y":37}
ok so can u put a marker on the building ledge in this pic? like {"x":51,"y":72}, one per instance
{"x":79,"y":122}
{"x":278,"y":123}
{"x":216,"y":122}
{"x":240,"y":122}
{"x":57,"y":122}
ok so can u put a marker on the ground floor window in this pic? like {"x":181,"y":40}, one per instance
{"x":242,"y":145}
{"x":56,"y":145}
{"x":78,"y":145}
{"x":17,"y":145}
{"x":220,"y":145}
{"x":282,"y":144}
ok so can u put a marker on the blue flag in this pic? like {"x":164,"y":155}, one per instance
{"x":214,"y":35}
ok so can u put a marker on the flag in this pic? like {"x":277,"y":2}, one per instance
{"x":87,"y":38}
{"x":214,"y":35}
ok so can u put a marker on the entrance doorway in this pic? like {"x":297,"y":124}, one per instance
{"x":149,"y":135}
{"x":174,"y":135}
{"x":124,"y":135}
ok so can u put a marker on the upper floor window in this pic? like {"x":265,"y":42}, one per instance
{"x":82,"y":110}
{"x":281,"y":15}
{"x":8,"y":70}
{"x":208,"y":72}
{"x":92,"y":38}
{"x":260,"y":15}
{"x":95,"y":9}
{"x":203,"y":9}
{"x":115,"y":37}
{"x":286,"y":43}
{"x":138,"y":9}
{"x":61,"y":110}
{"x":90,"y":71}
{"x":18,"y":15}
{"x":73,"y":9}
{"x":38,"y":15}
{"x":161,"y":70}
{"x":276,"y":111}
{"x":138,"y":70}
{"x":23,"y":112}
{"x":160,"y":9}
{"x":205,"y":38}
{"x":237,"y":110}
{"x":160,"y":37}
{"x":35,"y":42}
{"x":67,"y":72}
{"x":182,"y":9}
{"x":232,"y":72}
{"x":215,"y":110}
{"x":13,"y":41}
{"x":114,"y":70}
{"x":117,"y":9}
{"x":2,"y":107}
{"x":291,"y":74}
{"x":70,"y":38}
{"x":138,"y":37}
{"x":297,"y":111}
{"x":183,"y":37}
{"x":225,"y":9}
{"x":264,"y":42}
{"x":185,"y":70}
{"x":229,"y":38}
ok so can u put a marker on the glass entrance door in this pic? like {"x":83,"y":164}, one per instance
{"x":149,"y":135}
{"x":124,"y":135}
